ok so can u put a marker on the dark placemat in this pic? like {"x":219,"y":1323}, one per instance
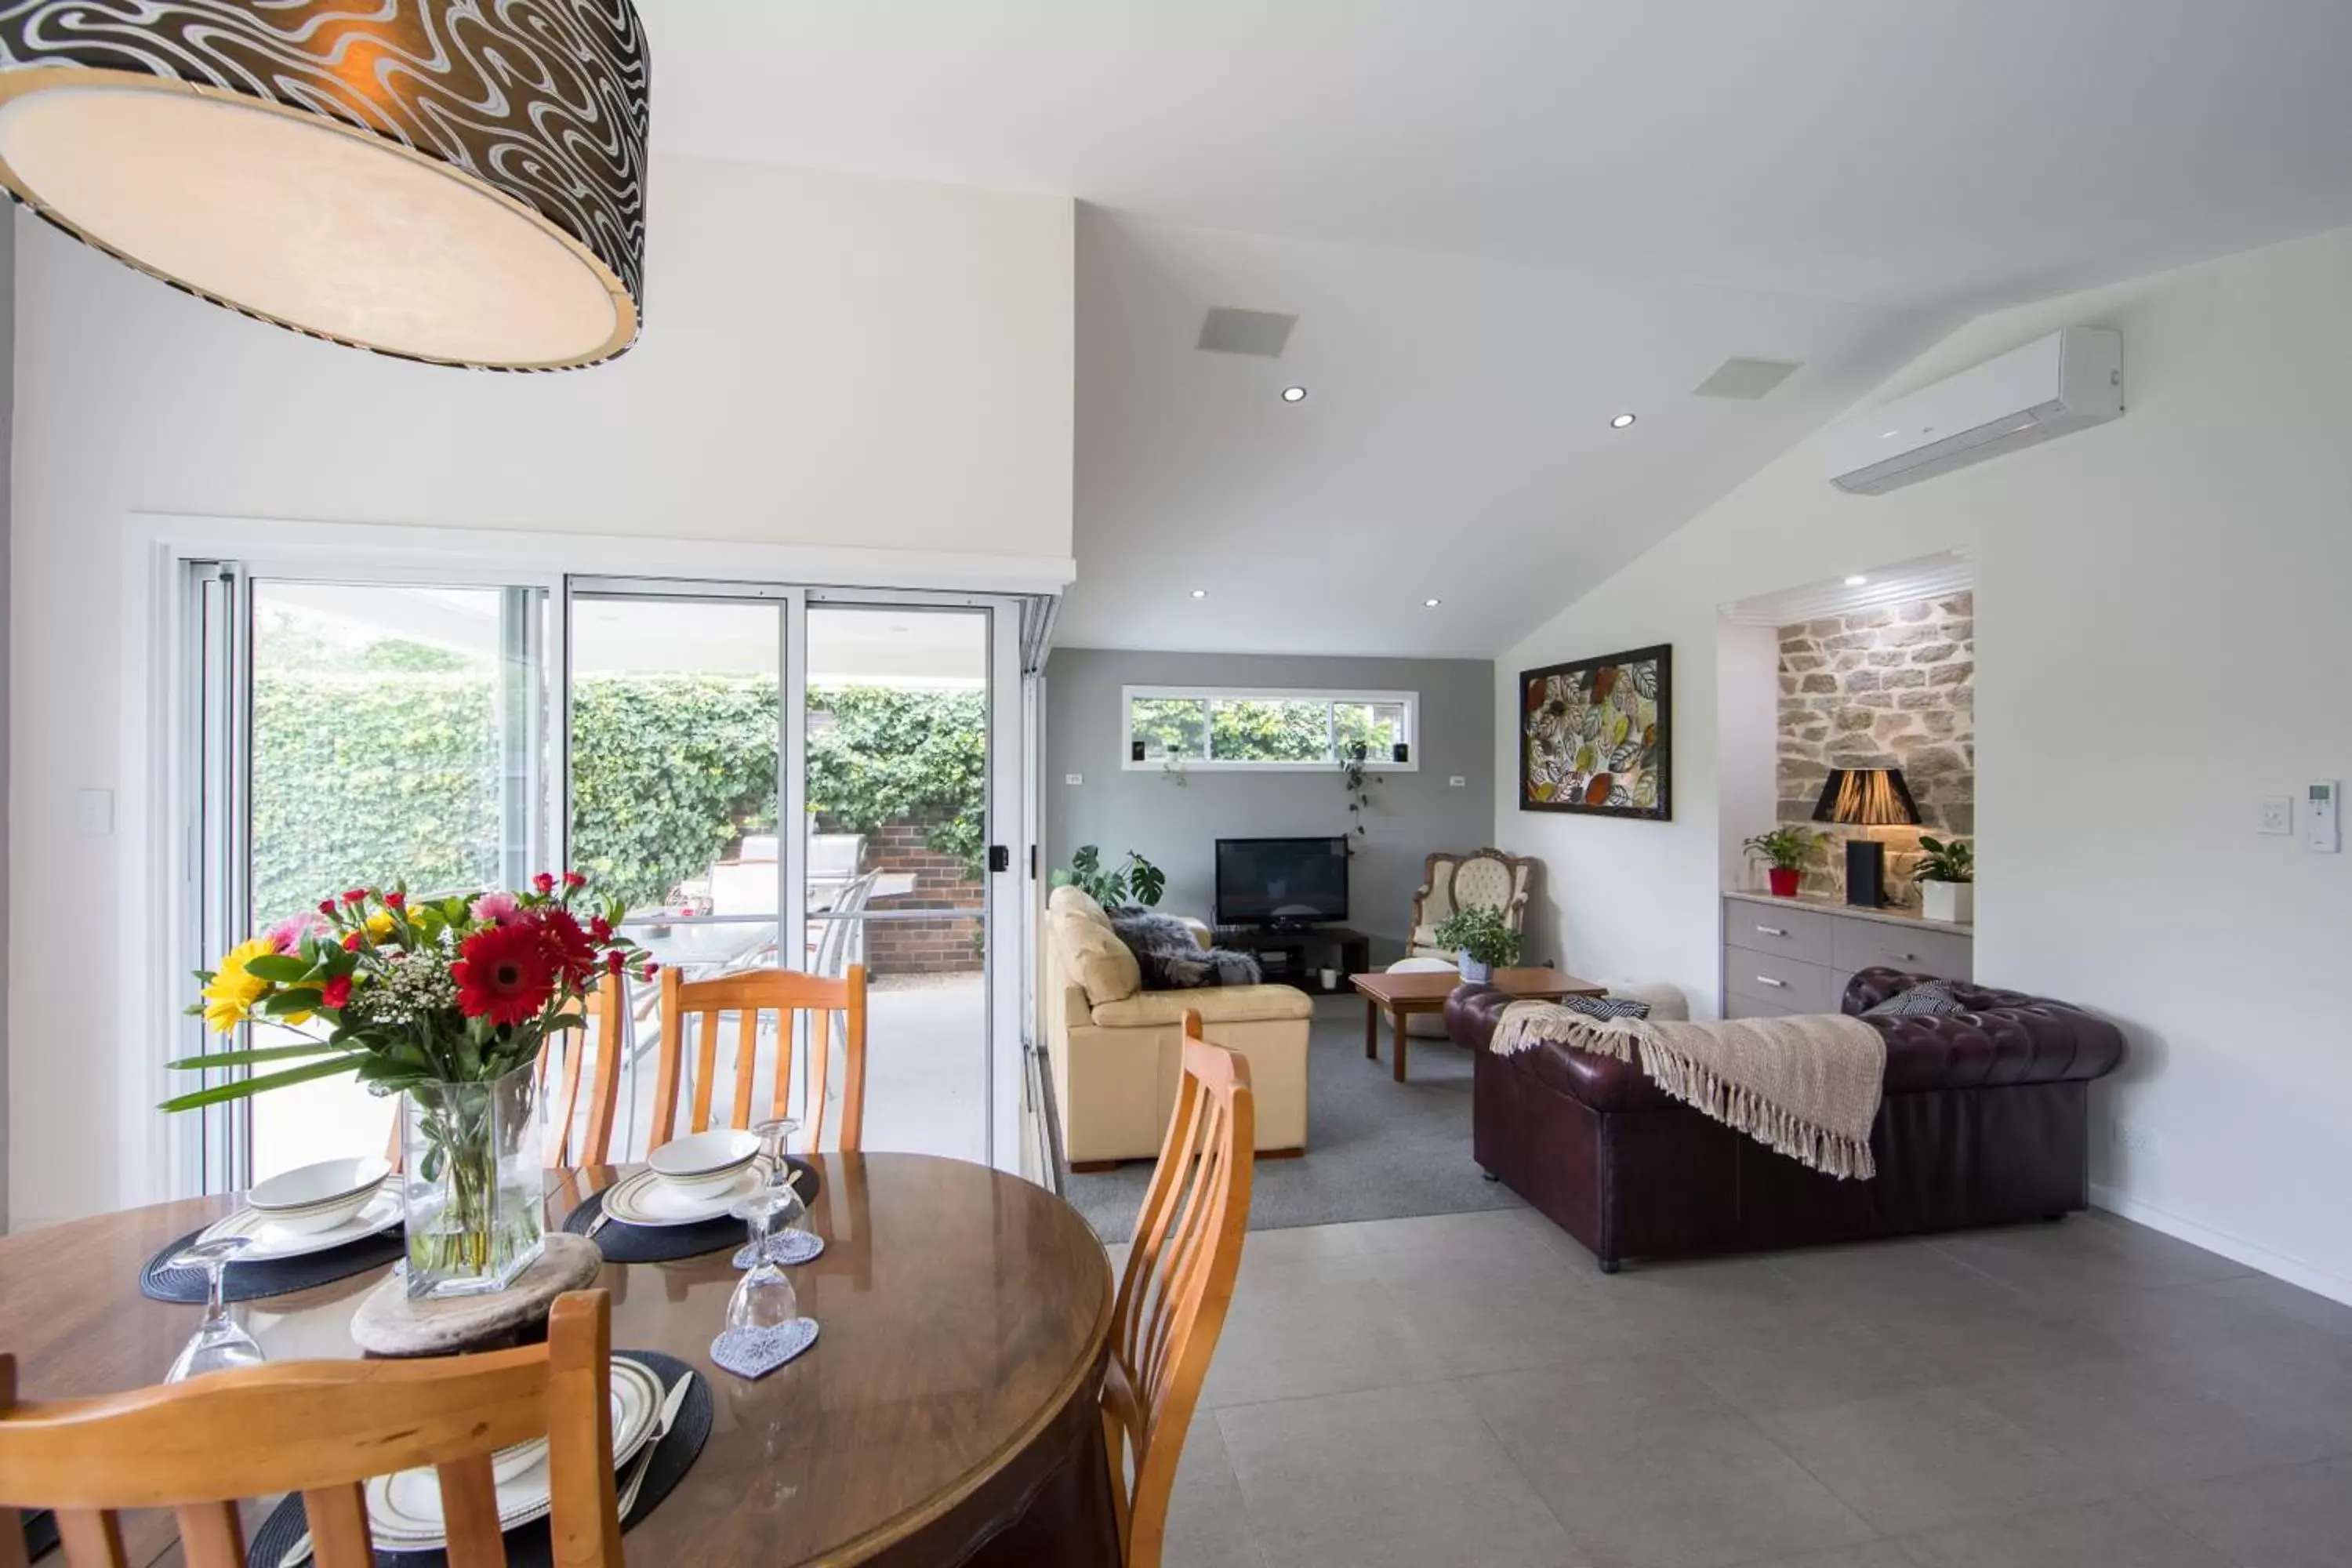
{"x":531,"y":1545}
{"x":276,"y":1277}
{"x":623,"y":1243}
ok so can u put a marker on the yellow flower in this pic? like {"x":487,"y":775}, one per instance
{"x":230,"y":995}
{"x":379,"y":925}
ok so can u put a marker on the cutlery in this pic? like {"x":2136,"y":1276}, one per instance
{"x":672,"y":1403}
{"x":603,"y":1217}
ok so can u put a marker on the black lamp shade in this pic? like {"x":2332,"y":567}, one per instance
{"x":460,"y":182}
{"x":1867,"y":797}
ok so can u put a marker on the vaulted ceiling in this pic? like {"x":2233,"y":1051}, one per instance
{"x":1501,"y":222}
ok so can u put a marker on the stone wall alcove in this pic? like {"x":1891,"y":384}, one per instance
{"x":1893,"y":686}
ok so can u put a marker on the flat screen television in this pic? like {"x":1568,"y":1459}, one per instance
{"x":1281,"y":881}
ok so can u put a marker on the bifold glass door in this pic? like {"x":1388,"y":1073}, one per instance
{"x":351,"y":734}
{"x":765,"y":776}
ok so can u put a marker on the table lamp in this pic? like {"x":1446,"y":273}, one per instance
{"x":1867,"y":798}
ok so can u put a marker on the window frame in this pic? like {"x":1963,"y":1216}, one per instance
{"x":1331,"y":697}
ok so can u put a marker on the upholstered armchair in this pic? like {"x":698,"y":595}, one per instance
{"x":1487,"y":879}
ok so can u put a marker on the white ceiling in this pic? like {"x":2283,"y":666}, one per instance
{"x":1499,"y":221}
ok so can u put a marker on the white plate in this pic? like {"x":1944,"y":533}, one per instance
{"x":272,"y":1240}
{"x":646,"y":1199}
{"x":405,"y":1510}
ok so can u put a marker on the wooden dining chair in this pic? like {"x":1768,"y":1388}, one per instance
{"x":1178,"y":1285}
{"x":607,"y":1041}
{"x":322,"y":1428}
{"x":750,"y":994}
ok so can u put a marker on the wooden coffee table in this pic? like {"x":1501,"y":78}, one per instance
{"x":1400,"y":995}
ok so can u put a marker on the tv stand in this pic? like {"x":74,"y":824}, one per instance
{"x":1291,"y":955}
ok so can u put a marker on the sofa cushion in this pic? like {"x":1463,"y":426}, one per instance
{"x":1076,"y":902}
{"x":1167,"y":949}
{"x":1227,"y":1004}
{"x":1094,"y":956}
{"x":1928,"y":999}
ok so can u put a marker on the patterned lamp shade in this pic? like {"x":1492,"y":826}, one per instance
{"x":460,"y":182}
{"x":1867,"y":797}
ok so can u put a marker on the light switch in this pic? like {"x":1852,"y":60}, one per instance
{"x":2278,"y":814}
{"x":1074,"y":778}
{"x":1457,"y":782}
{"x":93,"y":812}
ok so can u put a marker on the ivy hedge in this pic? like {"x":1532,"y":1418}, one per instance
{"x":371,"y":776}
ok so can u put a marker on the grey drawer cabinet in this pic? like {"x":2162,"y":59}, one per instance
{"x":1794,"y":955}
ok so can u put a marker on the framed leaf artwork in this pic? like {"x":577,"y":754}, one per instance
{"x":1593,"y":735}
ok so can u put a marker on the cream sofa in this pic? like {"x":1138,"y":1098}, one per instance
{"x":1116,"y":1048}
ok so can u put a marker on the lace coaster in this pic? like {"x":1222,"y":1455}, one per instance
{"x":792,"y":1246}
{"x":756,"y":1352}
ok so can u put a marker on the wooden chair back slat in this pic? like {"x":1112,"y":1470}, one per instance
{"x":1177,"y":1287}
{"x":606,"y":1042}
{"x":322,"y":1428}
{"x":694,"y":1007}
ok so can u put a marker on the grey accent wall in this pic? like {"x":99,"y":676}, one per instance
{"x":1176,"y":826}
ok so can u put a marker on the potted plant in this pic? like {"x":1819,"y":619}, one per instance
{"x":444,"y":1002}
{"x":1945,"y":877}
{"x":1136,"y":882}
{"x":1483,"y":938}
{"x":1783,"y":851}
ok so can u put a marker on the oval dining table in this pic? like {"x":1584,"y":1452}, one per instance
{"x":947,"y":1414}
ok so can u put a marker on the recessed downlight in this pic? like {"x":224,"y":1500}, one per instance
{"x":1199,"y":593}
{"x":1856,"y":581}
{"x":1432,"y":603}
{"x":1621,"y":422}
{"x":1294,"y":395}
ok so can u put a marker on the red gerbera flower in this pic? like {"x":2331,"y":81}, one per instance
{"x":574,"y":952}
{"x":504,"y":973}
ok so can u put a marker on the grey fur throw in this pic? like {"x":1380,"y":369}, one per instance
{"x":1172,"y":959}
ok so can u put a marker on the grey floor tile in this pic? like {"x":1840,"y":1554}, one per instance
{"x":2243,"y":1351}
{"x":1490,"y":1233}
{"x":1647,"y":1467}
{"x":1869,"y":1554}
{"x":2090,"y":1253}
{"x":2126,"y":1531}
{"x":1811,"y":1359}
{"x":1484,"y":1312}
{"x":2297,"y":1517}
{"x":2305,"y":1306}
{"x":1321,"y":1325}
{"x":2131,"y":1425}
{"x":1300,"y":1242}
{"x":1404,"y":1477}
{"x":1702,"y":1301}
{"x":1207,"y":1527}
{"x":1916,"y":1461}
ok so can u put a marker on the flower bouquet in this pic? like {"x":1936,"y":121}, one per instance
{"x":445,"y":1001}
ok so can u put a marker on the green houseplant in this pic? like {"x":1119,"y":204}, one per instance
{"x":1783,"y":851}
{"x":1945,"y":877}
{"x":1484,"y":939}
{"x":1136,"y":882}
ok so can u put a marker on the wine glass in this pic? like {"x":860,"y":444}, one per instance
{"x":764,"y":1297}
{"x":219,"y":1344}
{"x":776,"y":1142}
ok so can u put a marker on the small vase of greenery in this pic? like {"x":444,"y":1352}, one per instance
{"x":1484,"y":939}
{"x":1783,"y":851}
{"x":1136,"y":881}
{"x":1945,"y":877}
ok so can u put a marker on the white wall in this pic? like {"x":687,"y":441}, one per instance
{"x":827,"y":361}
{"x":2161,"y":641}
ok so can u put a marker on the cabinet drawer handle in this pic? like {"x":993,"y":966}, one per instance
{"x":1767,"y":980}
{"x":1771,"y":931}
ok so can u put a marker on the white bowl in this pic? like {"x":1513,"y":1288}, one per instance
{"x":319,"y":1197}
{"x":704,"y":1164}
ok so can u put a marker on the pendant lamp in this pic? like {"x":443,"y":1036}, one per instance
{"x":460,"y":182}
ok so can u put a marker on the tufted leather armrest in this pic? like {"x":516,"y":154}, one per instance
{"x":2003,"y":1038}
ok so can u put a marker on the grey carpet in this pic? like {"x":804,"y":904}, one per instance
{"x":1376,"y":1149}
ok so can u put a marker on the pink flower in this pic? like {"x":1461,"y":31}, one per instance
{"x":287,"y":935}
{"x":499,"y":909}
{"x":575,"y":879}
{"x":394,"y":900}
{"x":544,"y":882}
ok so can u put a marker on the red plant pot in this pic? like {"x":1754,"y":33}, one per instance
{"x":1784,"y":881}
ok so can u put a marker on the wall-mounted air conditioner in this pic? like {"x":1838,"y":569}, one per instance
{"x":2054,"y":387}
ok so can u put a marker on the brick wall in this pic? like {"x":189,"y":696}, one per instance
{"x":1893,"y":687}
{"x":945,"y":946}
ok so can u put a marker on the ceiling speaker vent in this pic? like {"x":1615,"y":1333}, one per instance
{"x":1746,"y":378}
{"x":1260,"y":332}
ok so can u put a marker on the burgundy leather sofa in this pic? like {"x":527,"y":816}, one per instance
{"x":1984,"y":1120}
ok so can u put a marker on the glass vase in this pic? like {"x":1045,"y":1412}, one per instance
{"x":475,"y":1188}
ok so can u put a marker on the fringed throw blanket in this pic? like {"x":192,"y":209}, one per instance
{"x":1806,"y":1086}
